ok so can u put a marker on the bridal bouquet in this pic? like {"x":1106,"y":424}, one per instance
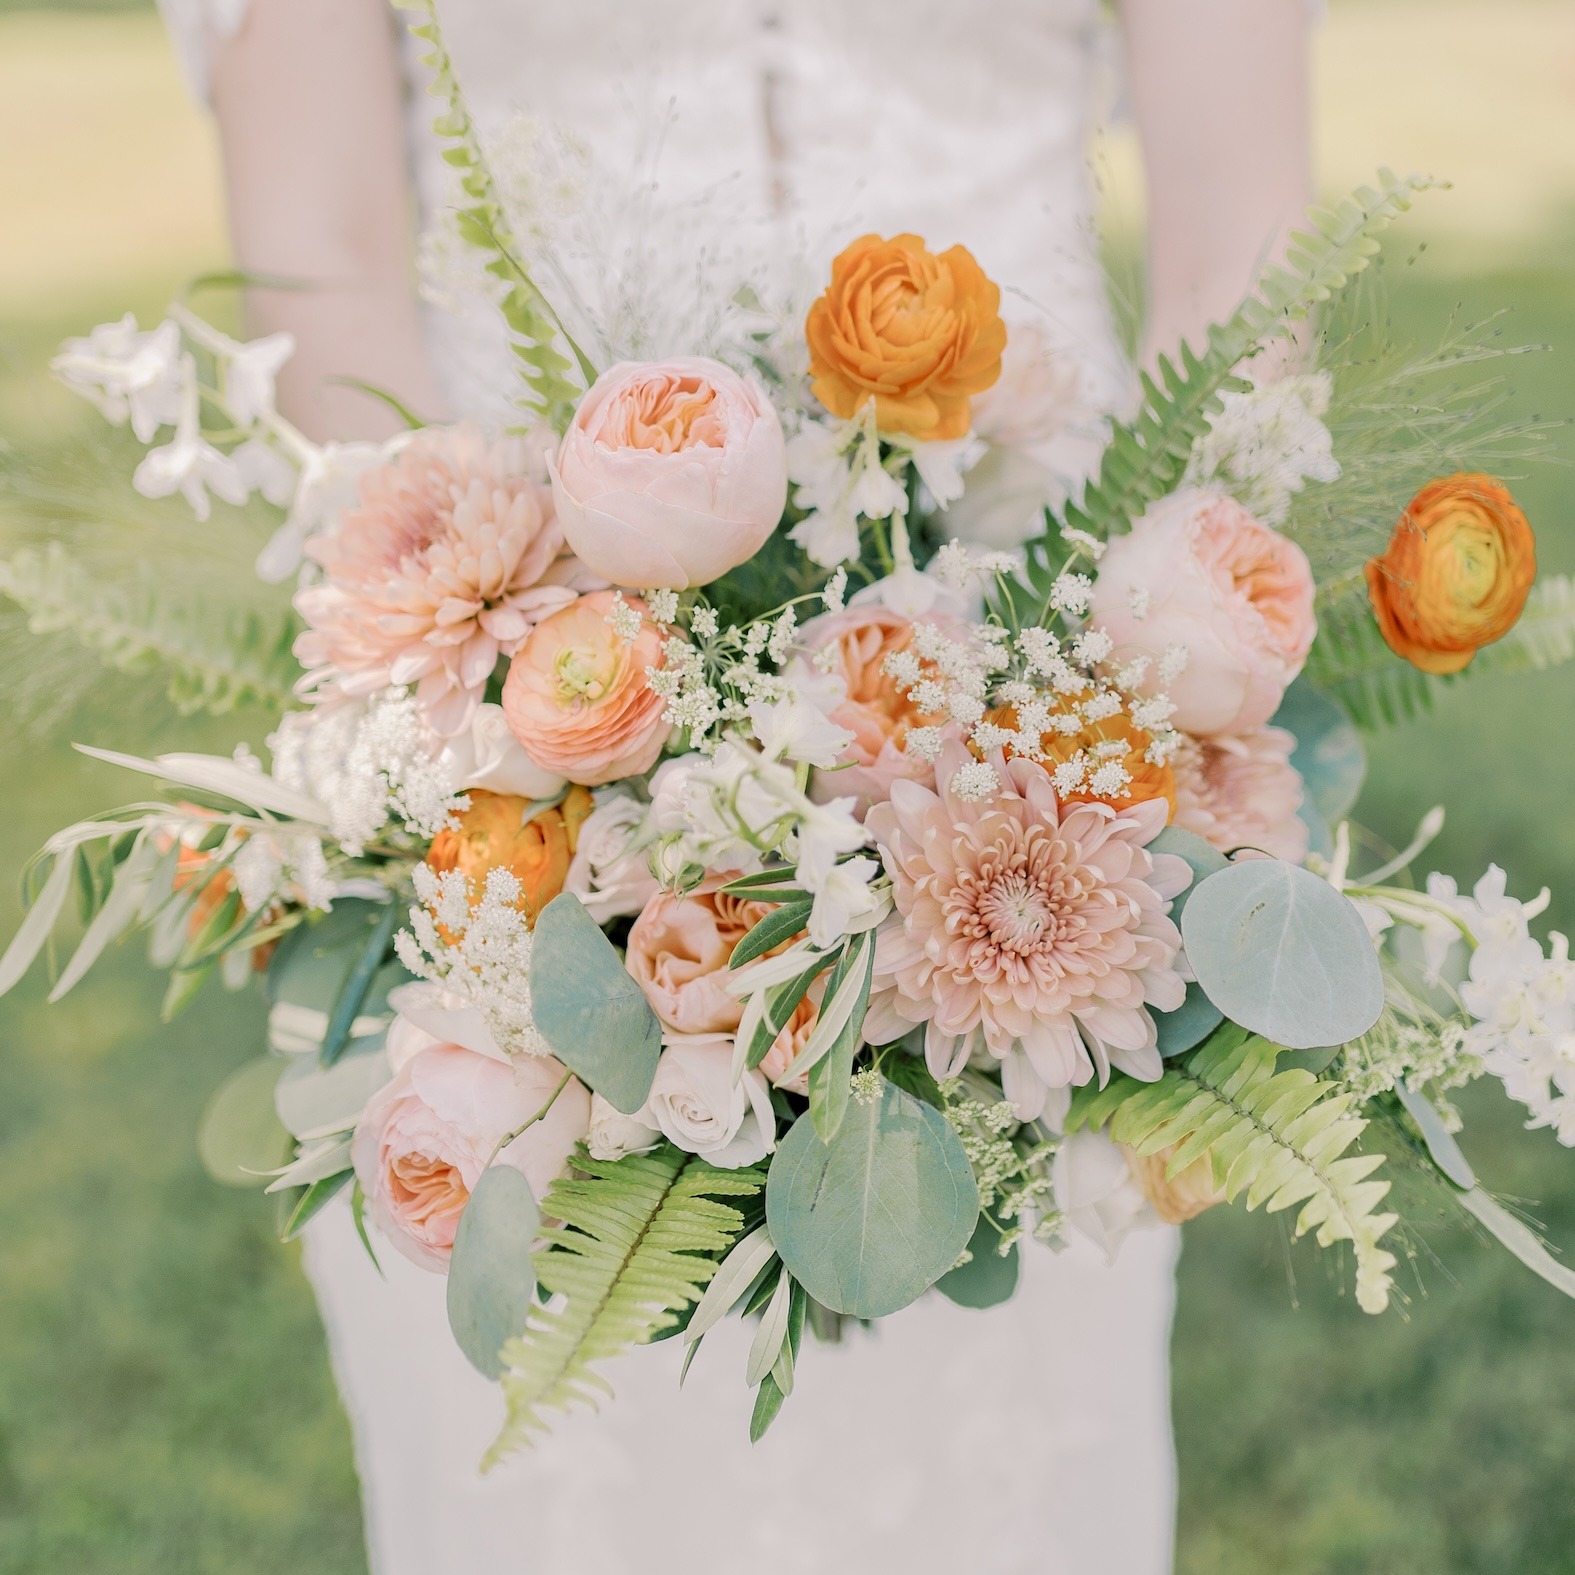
{"x":695,"y":876}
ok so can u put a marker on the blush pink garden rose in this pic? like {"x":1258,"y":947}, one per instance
{"x":426,"y":1136}
{"x":1242,"y":792}
{"x":671,"y":473}
{"x":1199,"y":572}
{"x":448,"y":559}
{"x":1037,"y":931}
{"x":577,"y":697}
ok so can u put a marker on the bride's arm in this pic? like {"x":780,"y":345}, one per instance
{"x":308,"y":99}
{"x":1220,"y":95}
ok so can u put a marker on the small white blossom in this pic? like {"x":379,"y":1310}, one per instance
{"x":1173,"y":663}
{"x":1092,"y":647}
{"x":703,"y":623}
{"x":924,"y":742}
{"x":188,"y":463}
{"x":1068,"y":776}
{"x":976,"y":780}
{"x":624,"y":621}
{"x":835,"y":592}
{"x":1110,"y":779}
{"x":249,"y":371}
{"x":663,"y":605}
{"x":127,"y":374}
{"x":1072,"y":594}
{"x":1138,"y":599}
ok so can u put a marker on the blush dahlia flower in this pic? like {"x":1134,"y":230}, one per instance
{"x":1037,"y":930}
{"x":449,"y":559}
{"x":1242,"y":792}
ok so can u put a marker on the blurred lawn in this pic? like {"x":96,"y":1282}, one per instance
{"x":165,"y":1404}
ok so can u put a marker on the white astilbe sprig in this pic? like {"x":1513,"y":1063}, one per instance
{"x":480,"y":955}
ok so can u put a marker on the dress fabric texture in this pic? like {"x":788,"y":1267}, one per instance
{"x":732,"y":143}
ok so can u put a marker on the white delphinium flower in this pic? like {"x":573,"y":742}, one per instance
{"x":942,"y":466}
{"x":330,"y":477}
{"x":127,"y":374}
{"x":1266,"y":442}
{"x":480,"y":956}
{"x":249,"y":371}
{"x":188,"y":463}
{"x":798,"y":730}
{"x":838,"y":476}
{"x":264,"y":469}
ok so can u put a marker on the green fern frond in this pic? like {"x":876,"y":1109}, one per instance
{"x":1146,"y":457}
{"x":536,"y":328}
{"x":638,"y":1242}
{"x":214,"y":661}
{"x":1279,"y":1137}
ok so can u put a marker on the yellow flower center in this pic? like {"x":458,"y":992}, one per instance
{"x":584,"y":674}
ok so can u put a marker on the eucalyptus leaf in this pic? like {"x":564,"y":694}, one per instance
{"x":314,"y":959}
{"x":240,"y":1137}
{"x":869,"y":1222}
{"x":1197,"y":1017}
{"x":491,"y":1276}
{"x":989,"y":1277}
{"x":310,"y":1098}
{"x":1203,"y":857}
{"x":589,"y":1008}
{"x":1284,"y":954}
{"x":1441,"y":1144}
{"x":1329,"y":754}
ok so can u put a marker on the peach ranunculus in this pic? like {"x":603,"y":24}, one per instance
{"x":1198,"y":572}
{"x":679,"y":950}
{"x":577,"y":697}
{"x":671,"y":473}
{"x":1456,"y":573}
{"x":1180,"y":1198}
{"x":450,"y":556}
{"x":1242,"y":792}
{"x":1034,"y":932}
{"x":854,"y":645}
{"x":426,"y":1136}
{"x":495,"y":832}
{"x":919,"y":334}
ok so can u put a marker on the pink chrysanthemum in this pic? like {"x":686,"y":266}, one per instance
{"x":450,"y":559}
{"x":1037,"y":929}
{"x":1242,"y":792}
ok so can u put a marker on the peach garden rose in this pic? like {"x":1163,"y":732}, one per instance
{"x":671,"y":473}
{"x":1198,"y":572}
{"x":577,"y":698}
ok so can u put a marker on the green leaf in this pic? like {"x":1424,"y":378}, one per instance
{"x":1441,"y":1144}
{"x":310,"y":1098}
{"x":830,"y":1077}
{"x":869,"y":1222}
{"x":989,"y":1277}
{"x":782,"y":924}
{"x":35,"y":929}
{"x":312,"y":1202}
{"x":637,"y":1242}
{"x":1283,"y":953}
{"x":768,"y":1402}
{"x":739,"y":1270}
{"x":357,"y":984}
{"x":1329,"y":755}
{"x":589,"y":1008}
{"x":358,"y":1214}
{"x":239,"y":1137}
{"x":1520,"y":1239}
{"x":1197,"y":1016}
{"x":314,"y":960}
{"x":491,"y":1276}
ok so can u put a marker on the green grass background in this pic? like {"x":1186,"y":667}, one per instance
{"x":165,"y":1403}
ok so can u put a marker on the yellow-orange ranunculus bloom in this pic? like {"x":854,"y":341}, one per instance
{"x":1183,"y":1197}
{"x":494,"y":832}
{"x":1093,"y":741}
{"x":919,"y":334}
{"x":1455,"y":574}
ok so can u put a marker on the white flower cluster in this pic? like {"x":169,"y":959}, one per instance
{"x":367,"y":761}
{"x":1265,"y":442}
{"x":739,"y":807}
{"x":274,"y":864}
{"x":480,"y":956}
{"x":1522,"y":1000}
{"x":840,"y":478}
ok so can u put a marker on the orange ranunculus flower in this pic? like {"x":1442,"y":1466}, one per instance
{"x":1455,"y":574}
{"x":917,"y":333}
{"x":494,"y":832}
{"x":1146,"y":780}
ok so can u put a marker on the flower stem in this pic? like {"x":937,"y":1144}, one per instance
{"x":508,"y":1137}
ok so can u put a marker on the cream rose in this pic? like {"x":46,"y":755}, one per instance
{"x":1200,"y":573}
{"x":671,"y":473}
{"x":699,"y":1108}
{"x":488,"y":756}
{"x":606,"y":875}
{"x":426,"y":1136}
{"x":613,"y":1134}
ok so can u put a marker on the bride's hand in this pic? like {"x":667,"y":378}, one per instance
{"x":1220,"y":96}
{"x":308,"y":96}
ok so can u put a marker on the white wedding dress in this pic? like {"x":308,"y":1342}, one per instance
{"x":681,"y":147}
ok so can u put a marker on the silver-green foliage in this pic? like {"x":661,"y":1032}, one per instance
{"x":637,"y":1242}
{"x":1276,"y":1138}
{"x":1147,"y":456}
{"x":550,"y":375}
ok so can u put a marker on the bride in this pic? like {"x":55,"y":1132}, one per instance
{"x":633,"y":132}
